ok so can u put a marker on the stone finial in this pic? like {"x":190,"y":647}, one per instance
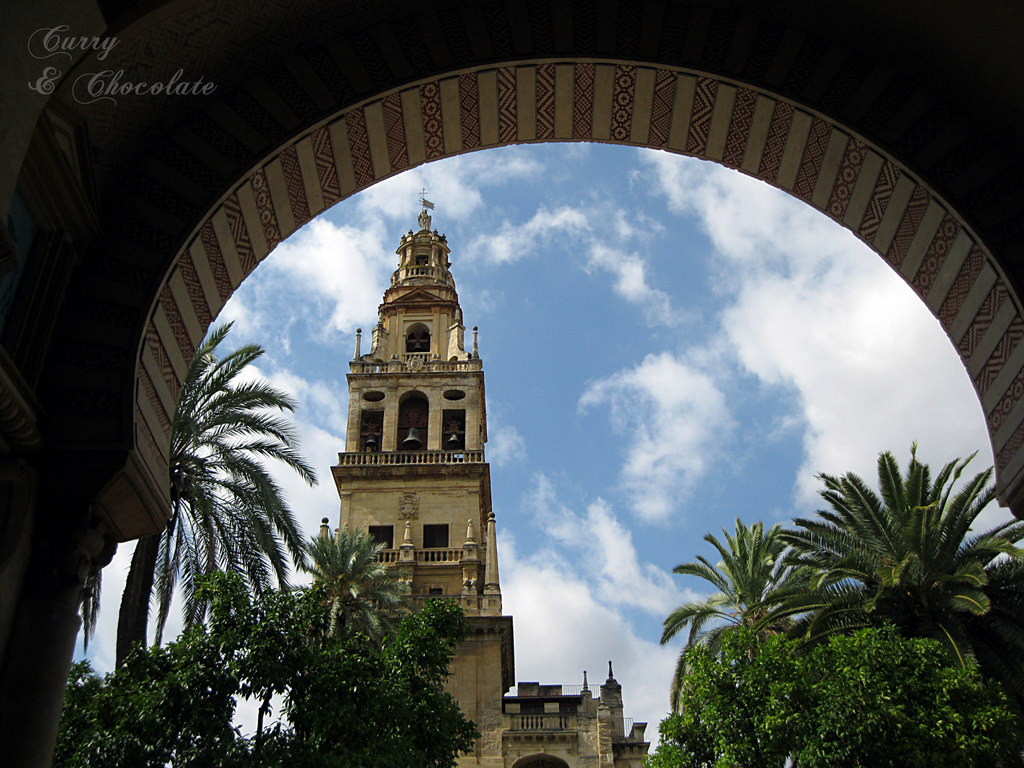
{"x":610,"y":675}
{"x":476,"y":346}
{"x":359,"y":336}
{"x":325,"y":529}
{"x":585,"y":687}
{"x":469,"y":532}
{"x":407,"y":538}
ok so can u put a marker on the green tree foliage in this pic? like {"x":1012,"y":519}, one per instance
{"x":907,"y":555}
{"x":752,"y":582}
{"x":872,"y":699}
{"x":363,"y":592}
{"x":227,"y":513}
{"x":346,"y":701}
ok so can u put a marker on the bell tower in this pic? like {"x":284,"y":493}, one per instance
{"x":414,"y":474}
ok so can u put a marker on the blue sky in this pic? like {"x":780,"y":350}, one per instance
{"x":667,"y":344}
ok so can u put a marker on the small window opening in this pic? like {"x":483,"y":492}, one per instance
{"x":435,"y":536}
{"x":383,"y":534}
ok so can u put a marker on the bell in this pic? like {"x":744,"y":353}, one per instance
{"x":412,"y":441}
{"x":371,"y":442}
{"x":453,"y":439}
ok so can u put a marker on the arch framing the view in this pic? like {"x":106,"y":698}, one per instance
{"x":813,"y":158}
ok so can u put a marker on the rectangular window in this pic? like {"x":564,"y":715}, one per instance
{"x":383,"y":534}
{"x":436,"y":591}
{"x":435,"y":536}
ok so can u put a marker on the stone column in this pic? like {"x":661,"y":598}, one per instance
{"x":65,"y":547}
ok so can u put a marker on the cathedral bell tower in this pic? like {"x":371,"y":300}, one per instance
{"x":414,"y":475}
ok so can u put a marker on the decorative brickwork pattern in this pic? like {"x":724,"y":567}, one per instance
{"x":268,"y":218}
{"x":965,"y":278}
{"x":810,"y":163}
{"x":583,"y":101}
{"x":775,"y":142}
{"x":936,"y":255}
{"x":149,"y":390}
{"x":982,"y":320}
{"x":170,"y":308}
{"x":359,"y":147}
{"x":880,"y":196}
{"x":240,"y":234}
{"x":622,"y":102}
{"x":996,"y":361}
{"x":909,"y":224}
{"x":433,"y":128}
{"x":545,"y":101}
{"x":190,"y":277}
{"x":293,"y":181}
{"x":507,"y":104}
{"x":394,"y":131}
{"x":661,"y":108}
{"x":1010,"y":449}
{"x":163,"y":362}
{"x":1016,"y":389}
{"x":700,"y":117}
{"x":739,"y":127}
{"x":469,"y":110}
{"x":849,"y":172}
{"x":216,"y":261}
{"x":326,"y":171}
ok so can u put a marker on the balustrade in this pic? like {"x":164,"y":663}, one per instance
{"x":438,"y":555}
{"x":404,"y":363}
{"x":549,"y":721}
{"x":387,"y":458}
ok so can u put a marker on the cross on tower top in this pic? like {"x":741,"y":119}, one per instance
{"x":424,"y":217}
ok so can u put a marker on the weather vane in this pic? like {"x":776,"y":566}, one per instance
{"x":423,"y":199}
{"x":424,"y":217}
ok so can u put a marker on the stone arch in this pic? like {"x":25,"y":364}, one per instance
{"x":154,"y":210}
{"x":799,"y":150}
{"x":540,"y":761}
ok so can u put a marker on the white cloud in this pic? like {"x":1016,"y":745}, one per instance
{"x":672,"y":418}
{"x":630,"y":271}
{"x":505,"y":445}
{"x":454,"y":186}
{"x":328,"y":272}
{"x":563,"y":627}
{"x":513,"y":242}
{"x":602,"y":548}
{"x":811,"y":309}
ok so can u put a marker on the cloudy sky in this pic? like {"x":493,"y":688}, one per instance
{"x":668,"y":346}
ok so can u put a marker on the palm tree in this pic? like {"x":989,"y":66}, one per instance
{"x":365,"y":593}
{"x":227,"y":513}
{"x":752,"y":581}
{"x":908,"y":556}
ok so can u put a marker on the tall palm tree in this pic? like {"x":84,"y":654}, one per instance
{"x":752,"y":581}
{"x":227,"y":513}
{"x":908,"y":556}
{"x":365,"y":593}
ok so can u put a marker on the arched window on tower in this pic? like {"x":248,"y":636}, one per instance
{"x":417,"y":339}
{"x":412,"y":423}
